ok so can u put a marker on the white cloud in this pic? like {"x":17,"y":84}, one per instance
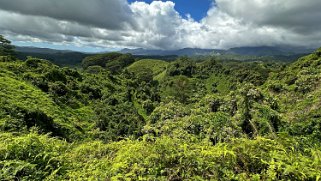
{"x":297,"y":15}
{"x":115,"y":23}
{"x":260,"y":22}
{"x":110,"y":14}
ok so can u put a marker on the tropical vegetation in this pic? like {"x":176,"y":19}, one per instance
{"x":119,"y":117}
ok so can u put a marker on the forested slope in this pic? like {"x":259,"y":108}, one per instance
{"x":120,"y":118}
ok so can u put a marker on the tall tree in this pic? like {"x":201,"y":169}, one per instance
{"x":6,"y":49}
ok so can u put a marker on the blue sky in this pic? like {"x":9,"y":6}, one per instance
{"x":196,"y":8}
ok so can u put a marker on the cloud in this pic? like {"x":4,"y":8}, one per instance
{"x":110,"y":14}
{"x":20,"y":27}
{"x":274,"y":22}
{"x":297,"y":15}
{"x":157,"y":25}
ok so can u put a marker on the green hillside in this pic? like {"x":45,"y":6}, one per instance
{"x":120,"y":118}
{"x":298,"y":89}
{"x":30,"y":99}
{"x":157,"y":66}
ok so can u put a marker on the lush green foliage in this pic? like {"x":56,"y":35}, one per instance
{"x":35,"y":157}
{"x":112,"y":61}
{"x":126,"y":119}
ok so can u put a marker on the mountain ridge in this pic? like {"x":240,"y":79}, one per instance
{"x":263,"y":53}
{"x":245,"y":51}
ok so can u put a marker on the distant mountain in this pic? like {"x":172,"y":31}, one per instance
{"x":40,"y":50}
{"x":256,"y":51}
{"x":60,"y":57}
{"x":180,"y":52}
{"x":198,"y":51}
{"x":268,"y":51}
{"x":242,"y":51}
{"x":72,"y":58}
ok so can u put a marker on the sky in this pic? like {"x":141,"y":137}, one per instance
{"x":197,"y":9}
{"x":104,"y":25}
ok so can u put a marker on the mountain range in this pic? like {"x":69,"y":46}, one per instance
{"x":67,"y":57}
{"x":244,"y":51}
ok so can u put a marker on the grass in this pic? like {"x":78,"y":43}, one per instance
{"x":160,"y":76}
{"x":157,"y":66}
